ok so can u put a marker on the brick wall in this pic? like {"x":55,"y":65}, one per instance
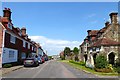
{"x":1,"y":39}
{"x":18,"y":46}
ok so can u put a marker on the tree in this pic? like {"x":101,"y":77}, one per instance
{"x":67,"y":51}
{"x":76,"y":52}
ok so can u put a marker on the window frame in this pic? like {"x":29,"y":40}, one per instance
{"x":12,"y":39}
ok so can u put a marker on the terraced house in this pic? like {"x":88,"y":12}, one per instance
{"x":15,"y":45}
{"x":104,"y":41}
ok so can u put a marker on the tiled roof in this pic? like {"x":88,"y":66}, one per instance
{"x":103,"y":29}
{"x":14,"y":30}
{"x":105,"y":42}
{"x":93,"y":32}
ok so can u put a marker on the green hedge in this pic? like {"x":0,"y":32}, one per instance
{"x":7,"y":65}
{"x":79,"y":63}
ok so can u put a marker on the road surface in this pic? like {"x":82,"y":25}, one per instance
{"x":50,"y":69}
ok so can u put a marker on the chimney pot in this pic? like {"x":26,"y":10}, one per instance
{"x":7,"y":13}
{"x":23,"y":30}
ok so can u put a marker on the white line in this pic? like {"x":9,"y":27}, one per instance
{"x":40,"y":70}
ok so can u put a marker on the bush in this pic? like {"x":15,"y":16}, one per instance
{"x":7,"y":65}
{"x":62,"y":57}
{"x":101,"y":62}
{"x":76,"y":58}
{"x":117,"y":69}
{"x":117,"y":62}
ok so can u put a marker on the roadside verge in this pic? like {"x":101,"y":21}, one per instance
{"x":92,"y":71}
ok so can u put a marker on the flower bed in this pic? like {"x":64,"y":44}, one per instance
{"x":106,"y":70}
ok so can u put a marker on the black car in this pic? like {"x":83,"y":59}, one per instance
{"x":31,"y":62}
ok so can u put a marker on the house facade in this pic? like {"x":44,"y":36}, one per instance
{"x":104,"y":41}
{"x":15,"y":45}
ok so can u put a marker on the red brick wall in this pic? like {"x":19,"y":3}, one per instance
{"x":18,"y":45}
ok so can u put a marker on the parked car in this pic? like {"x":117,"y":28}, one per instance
{"x":31,"y":62}
{"x":43,"y":59}
{"x":39,"y":60}
{"x":46,"y":58}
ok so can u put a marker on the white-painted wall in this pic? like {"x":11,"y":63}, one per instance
{"x":6,"y":54}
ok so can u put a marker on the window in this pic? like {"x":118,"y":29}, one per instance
{"x":23,"y":56}
{"x":11,"y":54}
{"x":32,"y":48}
{"x":12,"y":39}
{"x":28,"y":45}
{"x":9,"y":26}
{"x":97,"y":49}
{"x":24,"y":43}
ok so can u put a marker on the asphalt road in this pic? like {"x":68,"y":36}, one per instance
{"x":50,"y":69}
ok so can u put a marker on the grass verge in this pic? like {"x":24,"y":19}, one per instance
{"x":88,"y":70}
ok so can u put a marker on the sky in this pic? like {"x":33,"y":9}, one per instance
{"x":56,"y":25}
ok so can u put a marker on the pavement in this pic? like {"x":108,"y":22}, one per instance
{"x":8,"y":70}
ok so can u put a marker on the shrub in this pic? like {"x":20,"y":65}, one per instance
{"x":117,"y":69}
{"x":62,"y":57}
{"x":101,"y":62}
{"x":7,"y":65}
{"x":109,"y":66}
{"x":117,"y":62}
{"x":76,"y":58}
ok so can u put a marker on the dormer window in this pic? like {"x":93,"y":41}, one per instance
{"x":10,"y":25}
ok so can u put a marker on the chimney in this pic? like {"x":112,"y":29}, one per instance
{"x":7,"y":13}
{"x":23,"y":30}
{"x":113,"y":17}
{"x":89,"y":32}
{"x":107,"y":23}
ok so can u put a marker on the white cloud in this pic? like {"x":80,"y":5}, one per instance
{"x":54,"y":46}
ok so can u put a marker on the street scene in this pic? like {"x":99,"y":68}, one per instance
{"x":51,"y":69}
{"x":60,"y":40}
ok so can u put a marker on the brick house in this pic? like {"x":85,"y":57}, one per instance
{"x":15,"y":45}
{"x":104,"y":41}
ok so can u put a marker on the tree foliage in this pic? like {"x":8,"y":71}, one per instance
{"x":67,"y":51}
{"x":76,"y":51}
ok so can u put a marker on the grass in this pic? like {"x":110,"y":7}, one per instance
{"x":88,"y":70}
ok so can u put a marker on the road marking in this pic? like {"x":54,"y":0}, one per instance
{"x":34,"y":76}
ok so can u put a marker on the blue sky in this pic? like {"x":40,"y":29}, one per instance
{"x":59,"y":24}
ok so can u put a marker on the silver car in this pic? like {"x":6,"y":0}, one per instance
{"x":31,"y":62}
